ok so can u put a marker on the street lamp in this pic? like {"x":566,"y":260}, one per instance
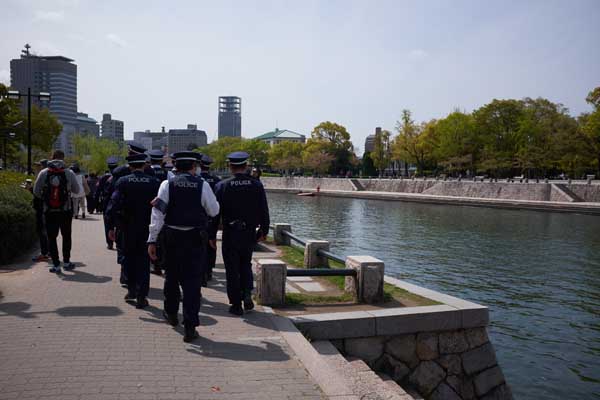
{"x":42,"y":96}
{"x":8,"y":135}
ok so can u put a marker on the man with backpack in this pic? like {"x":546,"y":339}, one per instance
{"x":54,"y":186}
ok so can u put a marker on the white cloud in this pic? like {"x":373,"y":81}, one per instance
{"x":5,"y":77}
{"x":49,"y":16}
{"x":116,"y":40}
{"x":417,"y":54}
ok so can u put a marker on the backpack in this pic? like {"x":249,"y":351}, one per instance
{"x":56,"y":194}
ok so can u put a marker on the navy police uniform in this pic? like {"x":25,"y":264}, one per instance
{"x":156,"y":158}
{"x":212,"y":180}
{"x":130,"y":208}
{"x":243,"y":209}
{"x":183,"y":206}
{"x":102,"y":199}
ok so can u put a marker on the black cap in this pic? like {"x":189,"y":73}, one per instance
{"x":136,"y":159}
{"x":156,"y":155}
{"x":112,"y":161}
{"x":198,"y":156}
{"x":206,"y":160}
{"x":238,"y":158}
{"x":185,"y":156}
{"x":135,"y":148}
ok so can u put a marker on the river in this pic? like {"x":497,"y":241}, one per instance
{"x":538,"y":272}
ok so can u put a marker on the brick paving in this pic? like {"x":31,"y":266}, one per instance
{"x":74,"y":337}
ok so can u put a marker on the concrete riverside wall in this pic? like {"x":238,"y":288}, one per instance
{"x":307,"y":183}
{"x":396,"y":185}
{"x":590,"y":193}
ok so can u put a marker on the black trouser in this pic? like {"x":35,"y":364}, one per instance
{"x":106,"y":229}
{"x":91,"y":203}
{"x":211,"y":258}
{"x":120,"y":244}
{"x":184,"y":255}
{"x":59,"y":221}
{"x":237,"y":256}
{"x":41,"y":231}
{"x":136,"y":263}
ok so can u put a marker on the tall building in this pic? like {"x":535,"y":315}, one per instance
{"x":230,"y":116}
{"x":185,"y":139}
{"x":56,"y":75}
{"x":152,"y":140}
{"x":370,"y":141}
{"x":87,"y":125}
{"x":112,"y":128}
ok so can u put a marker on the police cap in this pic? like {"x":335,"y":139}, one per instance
{"x":135,"y":148}
{"x":198,"y":156}
{"x":156,"y":155}
{"x":206,"y":160}
{"x":237,"y":158}
{"x":136,"y":159}
{"x":185,"y":156}
{"x":112,"y":161}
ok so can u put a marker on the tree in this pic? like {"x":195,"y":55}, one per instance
{"x":458,"y":143}
{"x":286,"y":156}
{"x":316,"y":156}
{"x":336,"y":141}
{"x":415,"y":144}
{"x":368,"y":168}
{"x":219,"y":149}
{"x":591,"y":126}
{"x":257,"y":149}
{"x":91,"y":152}
{"x":382,"y":152}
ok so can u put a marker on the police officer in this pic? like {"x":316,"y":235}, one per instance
{"x":243,"y":208}
{"x":156,"y":159}
{"x":211,"y":252}
{"x":183,"y":206}
{"x":130,"y":209}
{"x":101,"y":199}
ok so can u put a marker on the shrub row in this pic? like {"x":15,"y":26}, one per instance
{"x":17,"y":217}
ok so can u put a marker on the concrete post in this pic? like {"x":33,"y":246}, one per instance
{"x":311,"y":258}
{"x":370,"y":274}
{"x":270,"y":281}
{"x":280,"y":238}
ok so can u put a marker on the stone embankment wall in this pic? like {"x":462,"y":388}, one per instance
{"x":449,"y":365}
{"x":486,"y":190}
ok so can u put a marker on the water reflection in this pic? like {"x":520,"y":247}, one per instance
{"x":538,"y":272}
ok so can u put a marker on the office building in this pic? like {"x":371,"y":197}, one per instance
{"x":152,"y":140}
{"x":56,"y":75}
{"x":230,"y":116}
{"x":185,"y":139}
{"x":370,"y":140}
{"x":281,"y":135}
{"x":112,"y":129}
{"x":86,"y":125}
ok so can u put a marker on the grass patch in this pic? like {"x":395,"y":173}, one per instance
{"x":301,"y":298}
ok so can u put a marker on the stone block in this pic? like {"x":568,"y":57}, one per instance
{"x":479,"y":359}
{"x":340,"y":325}
{"x":453,"y":342}
{"x":270,"y":281}
{"x":426,"y":377}
{"x":476,"y":337}
{"x":370,"y":275}
{"x":403,"y":348}
{"x":487,"y":380}
{"x":398,"y":321}
{"x":279,"y":237}
{"x":473,"y":317}
{"x":401,"y":371}
{"x":444,"y":392}
{"x":311,"y":258}
{"x":367,"y":349}
{"x":502,"y":392}
{"x":427,"y":346}
{"x":451,"y":363}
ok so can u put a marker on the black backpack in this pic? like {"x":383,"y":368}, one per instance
{"x":56,"y":193}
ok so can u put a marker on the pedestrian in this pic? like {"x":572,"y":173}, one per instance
{"x":38,"y":206}
{"x":79,"y":197}
{"x":55,"y":185}
{"x":211,"y":252}
{"x":129,"y":208}
{"x":156,"y":159}
{"x":92,"y":182}
{"x":183,"y":206}
{"x":244,"y":208}
{"x":101,"y":197}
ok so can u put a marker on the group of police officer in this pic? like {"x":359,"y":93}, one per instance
{"x":170,"y":218}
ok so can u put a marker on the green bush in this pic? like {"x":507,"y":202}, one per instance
{"x":17,"y":217}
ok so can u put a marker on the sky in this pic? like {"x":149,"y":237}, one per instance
{"x":298,"y":63}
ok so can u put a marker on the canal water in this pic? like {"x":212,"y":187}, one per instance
{"x":538,"y":272}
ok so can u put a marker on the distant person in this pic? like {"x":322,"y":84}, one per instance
{"x":92,"y":182}
{"x":211,"y":248}
{"x":54,"y":186}
{"x":244,"y":208}
{"x":40,"y":224}
{"x":79,"y":197}
{"x":156,"y":159}
{"x":256,"y":173}
{"x":102,"y":199}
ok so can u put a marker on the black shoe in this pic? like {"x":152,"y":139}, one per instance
{"x":171,"y":318}
{"x":190,"y":334}
{"x":236,"y":310}
{"x":76,"y":217}
{"x":130,"y":297}
{"x":141,"y":302}
{"x":209,"y":276}
{"x":156,"y":271}
{"x":68,"y":266}
{"x":248,"y":303}
{"x":204,"y":284}
{"x":109,"y":246}
{"x":82,"y":216}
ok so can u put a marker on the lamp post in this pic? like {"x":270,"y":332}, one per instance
{"x":42,"y":96}
{"x":7,"y":134}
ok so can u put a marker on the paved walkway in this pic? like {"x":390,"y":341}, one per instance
{"x":73,"y":337}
